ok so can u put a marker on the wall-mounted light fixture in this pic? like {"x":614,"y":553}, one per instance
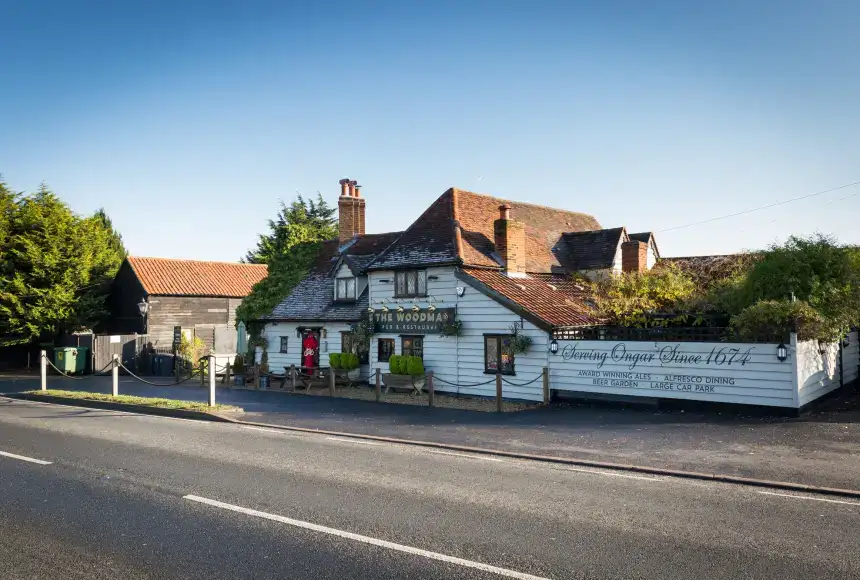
{"x":431,"y":308}
{"x":781,"y":352}
{"x":461,"y":290}
{"x":399,"y":308}
{"x":415,"y":308}
{"x":323,"y":333}
{"x":370,"y":309}
{"x":385,"y":308}
{"x":846,"y":341}
{"x":822,"y":347}
{"x":553,"y":346}
{"x":298,"y":332}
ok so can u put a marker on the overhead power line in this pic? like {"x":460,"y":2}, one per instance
{"x":731,"y":215}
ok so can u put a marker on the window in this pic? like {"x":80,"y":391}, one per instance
{"x":345,"y":288}
{"x":498,"y":354}
{"x":410,"y":283}
{"x":412,"y":346}
{"x":347,"y":345}
{"x":284,"y":343}
{"x":385,"y":348}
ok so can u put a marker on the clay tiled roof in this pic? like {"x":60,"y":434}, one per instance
{"x":556,"y":300}
{"x":168,"y":277}
{"x":435,"y":238}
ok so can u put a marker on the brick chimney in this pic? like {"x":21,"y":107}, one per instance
{"x":350,"y":210}
{"x":634,"y":256}
{"x":510,"y":239}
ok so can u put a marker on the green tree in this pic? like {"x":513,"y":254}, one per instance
{"x":55,"y":268}
{"x":294,"y":240}
{"x":815,"y":271}
{"x":303,"y":221}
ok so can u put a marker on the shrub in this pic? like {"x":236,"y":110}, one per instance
{"x":393,"y":363}
{"x":414,"y":366}
{"x":349,"y":361}
{"x":335,"y":360}
{"x":773,"y":319}
{"x":238,"y":366}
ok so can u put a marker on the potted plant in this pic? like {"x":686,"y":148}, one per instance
{"x":520,"y":343}
{"x":239,"y":371}
{"x":345,"y":364}
{"x":407,"y":373}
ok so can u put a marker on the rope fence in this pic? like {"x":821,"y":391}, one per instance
{"x":300,"y":376}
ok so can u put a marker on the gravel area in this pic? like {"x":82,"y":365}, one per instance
{"x":366,"y":393}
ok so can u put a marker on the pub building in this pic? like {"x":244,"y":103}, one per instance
{"x":458,"y":288}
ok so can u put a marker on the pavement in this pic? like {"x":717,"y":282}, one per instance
{"x":100,"y":494}
{"x":821,"y":448}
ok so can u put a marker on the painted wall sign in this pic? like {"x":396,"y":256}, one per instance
{"x":424,"y":321}
{"x":729,"y":372}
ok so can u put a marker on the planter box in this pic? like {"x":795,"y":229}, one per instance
{"x":347,"y":376}
{"x":403,"y":383}
{"x":239,"y":380}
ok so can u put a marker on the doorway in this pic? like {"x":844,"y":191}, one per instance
{"x":310,"y":352}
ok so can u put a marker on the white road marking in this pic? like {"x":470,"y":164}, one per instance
{"x":367,"y":539}
{"x":345,"y":440}
{"x":23,"y":458}
{"x":466,"y":455}
{"x":264,"y":430}
{"x":610,"y":474}
{"x":810,"y":498}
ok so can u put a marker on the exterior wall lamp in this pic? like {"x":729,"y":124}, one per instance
{"x":415,"y":308}
{"x":399,"y":308}
{"x":143,"y":306}
{"x":846,"y":341}
{"x":553,"y":346}
{"x":822,"y":347}
{"x":461,"y":290}
{"x":781,"y":352}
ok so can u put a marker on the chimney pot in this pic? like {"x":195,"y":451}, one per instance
{"x":352,"y":185}
{"x":344,"y":185}
{"x":505,"y":212}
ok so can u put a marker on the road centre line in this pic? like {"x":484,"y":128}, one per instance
{"x":359,"y":441}
{"x":367,"y":539}
{"x":854,"y":503}
{"x":24,"y":458}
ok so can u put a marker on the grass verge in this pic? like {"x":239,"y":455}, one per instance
{"x":140,"y":401}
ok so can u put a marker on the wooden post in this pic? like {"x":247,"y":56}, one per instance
{"x":211,"y":381}
{"x":43,"y":369}
{"x":431,"y":392}
{"x":115,"y":375}
{"x":293,"y":376}
{"x":545,"y":386}
{"x":499,"y":392}
{"x":331,"y":382}
{"x":202,"y":374}
{"x":256,"y":375}
{"x":378,"y":385}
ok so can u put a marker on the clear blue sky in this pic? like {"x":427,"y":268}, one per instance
{"x":188,"y":121}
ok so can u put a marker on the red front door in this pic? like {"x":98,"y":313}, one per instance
{"x":310,"y":349}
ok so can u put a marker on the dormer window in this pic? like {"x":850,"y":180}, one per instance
{"x":345,"y":289}
{"x":410,"y":283}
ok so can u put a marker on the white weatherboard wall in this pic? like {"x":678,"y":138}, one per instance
{"x":720,"y":372}
{"x":460,"y":360}
{"x":273,"y":332}
{"x":820,"y":373}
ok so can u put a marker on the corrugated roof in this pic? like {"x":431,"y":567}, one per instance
{"x":557,"y":300}
{"x":170,"y":277}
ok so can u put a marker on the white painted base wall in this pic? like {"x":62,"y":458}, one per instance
{"x":819,"y":373}
{"x":718,"y":372}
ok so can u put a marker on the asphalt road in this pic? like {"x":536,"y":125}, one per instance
{"x":113,"y":502}
{"x":822,"y":448}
